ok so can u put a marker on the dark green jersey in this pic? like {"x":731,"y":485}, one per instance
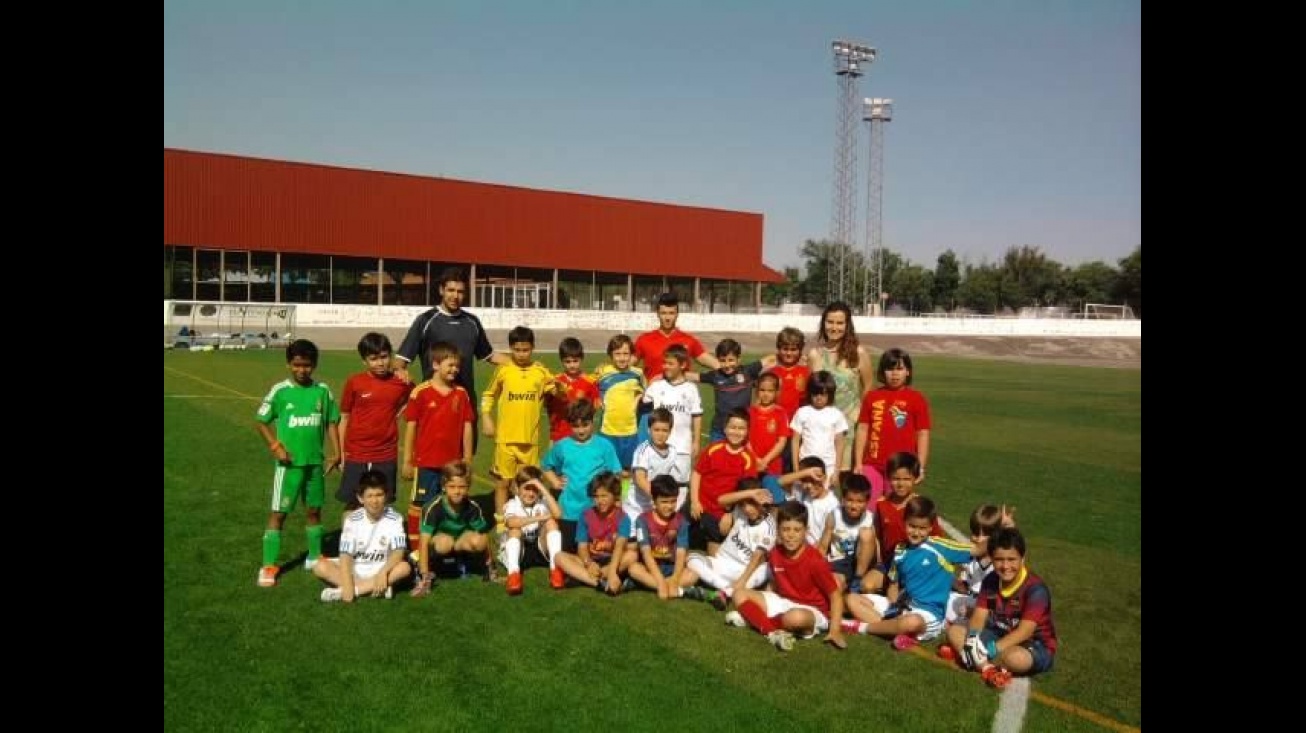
{"x":301,"y":415}
{"x":440,"y":518}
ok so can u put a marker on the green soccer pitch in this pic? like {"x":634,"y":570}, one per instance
{"x":1062,"y":444}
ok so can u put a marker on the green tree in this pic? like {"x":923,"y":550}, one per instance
{"x":981,"y":288}
{"x":913,"y":288}
{"x":1029,"y":278}
{"x":776,"y":294}
{"x":1129,"y":284}
{"x":947,"y":280}
{"x":1091,"y":282}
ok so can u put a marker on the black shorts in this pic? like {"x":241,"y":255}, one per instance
{"x":353,"y":471}
{"x":568,"y":529}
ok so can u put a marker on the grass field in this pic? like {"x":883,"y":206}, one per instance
{"x":1060,"y":443}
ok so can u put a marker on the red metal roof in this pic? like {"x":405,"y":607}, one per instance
{"x":235,"y":202}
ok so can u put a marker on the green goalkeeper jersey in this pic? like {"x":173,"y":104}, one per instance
{"x":301,"y":415}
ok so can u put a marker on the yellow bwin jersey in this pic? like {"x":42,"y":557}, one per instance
{"x":520,"y":393}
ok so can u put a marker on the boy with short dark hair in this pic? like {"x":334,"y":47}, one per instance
{"x":573,"y":385}
{"x":806,"y":599}
{"x":663,"y":536}
{"x":370,"y":404}
{"x":731,"y":384}
{"x":1011,"y":631}
{"x":519,"y":387}
{"x":306,"y":416}
{"x":372,"y":546}
{"x":572,"y":463}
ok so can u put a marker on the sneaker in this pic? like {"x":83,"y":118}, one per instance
{"x":995,"y":676}
{"x":782,"y":640}
{"x":718,"y":600}
{"x":628,"y":585}
{"x":947,"y":653}
{"x":330,"y":595}
{"x":514,"y":586}
{"x":267,"y":576}
{"x":903,"y":642}
{"x":735,"y":618}
{"x":693,"y":593}
{"x":310,"y":563}
{"x":557,"y":579}
{"x":389,"y":592}
{"x":602,"y":587}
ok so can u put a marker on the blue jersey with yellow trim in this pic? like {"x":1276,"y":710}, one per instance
{"x":926,"y":570}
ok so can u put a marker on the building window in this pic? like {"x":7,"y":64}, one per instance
{"x":178,"y":278}
{"x":305,"y":278}
{"x":263,"y":277}
{"x":405,"y":282}
{"x":208,"y":275}
{"x":353,"y":280}
{"x":235,"y":275}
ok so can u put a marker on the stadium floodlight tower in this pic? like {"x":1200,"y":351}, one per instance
{"x":876,"y":111}
{"x":850,"y":60}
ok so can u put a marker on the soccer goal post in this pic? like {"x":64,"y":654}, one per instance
{"x":1101,"y":311}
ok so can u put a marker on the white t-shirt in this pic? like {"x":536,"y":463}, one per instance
{"x":973,"y":574}
{"x":819,"y":513}
{"x":655,"y":463}
{"x":370,"y":543}
{"x":684,"y":403}
{"x":515,"y":508}
{"x":843,"y":543}
{"x":817,"y":429}
{"x":745,"y":539}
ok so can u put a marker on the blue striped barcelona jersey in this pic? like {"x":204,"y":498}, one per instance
{"x":926,"y":571}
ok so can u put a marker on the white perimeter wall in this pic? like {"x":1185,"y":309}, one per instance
{"x":394,"y":317}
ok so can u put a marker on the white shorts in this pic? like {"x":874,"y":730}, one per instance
{"x":723,"y":568}
{"x":777,"y":605}
{"x":959,"y":608}
{"x":933,"y":625}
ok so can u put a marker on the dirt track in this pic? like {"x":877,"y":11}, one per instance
{"x":1074,"y":351}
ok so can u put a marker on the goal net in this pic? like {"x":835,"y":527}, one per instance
{"x":1102,"y":311}
{"x":205,"y":324}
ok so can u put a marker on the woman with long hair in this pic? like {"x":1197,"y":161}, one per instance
{"x":838,"y":351}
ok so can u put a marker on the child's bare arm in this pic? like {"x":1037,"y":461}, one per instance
{"x":865,"y":551}
{"x":333,"y":451}
{"x":696,"y":429}
{"x":695,"y":503}
{"x":859,"y":443}
{"x":278,"y":450}
{"x":922,"y":451}
{"x":347,"y":590}
{"x":406,"y":463}
{"x":827,"y":535}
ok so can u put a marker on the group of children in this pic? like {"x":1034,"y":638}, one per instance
{"x":777,"y":547}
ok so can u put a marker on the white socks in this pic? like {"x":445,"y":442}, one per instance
{"x":553,"y":541}
{"x":512,"y":552}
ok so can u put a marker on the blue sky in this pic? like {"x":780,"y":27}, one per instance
{"x":1016,"y":122}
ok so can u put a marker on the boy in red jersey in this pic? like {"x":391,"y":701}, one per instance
{"x":719,"y":468}
{"x":806,"y":593}
{"x":439,"y":431}
{"x":369,"y":419}
{"x":890,"y":527}
{"x":575,"y":385}
{"x":894,"y":418}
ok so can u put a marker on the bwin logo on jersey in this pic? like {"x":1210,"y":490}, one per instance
{"x":306,"y":421}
